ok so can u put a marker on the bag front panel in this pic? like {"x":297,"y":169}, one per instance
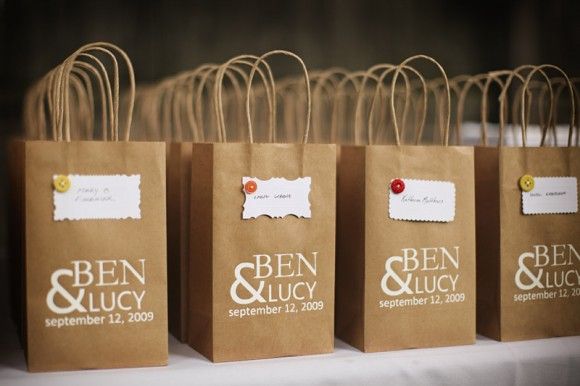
{"x":420,"y":275}
{"x":273,"y":289}
{"x":96,"y":289}
{"x":540,"y":262}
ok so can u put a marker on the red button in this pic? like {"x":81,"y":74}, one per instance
{"x":250,"y":187}
{"x":397,"y":185}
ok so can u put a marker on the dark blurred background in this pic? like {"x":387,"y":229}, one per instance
{"x":164,"y":37}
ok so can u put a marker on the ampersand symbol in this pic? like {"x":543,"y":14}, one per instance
{"x":524,"y":269}
{"x":74,"y":303}
{"x":256,"y":294}
{"x":403,"y":285}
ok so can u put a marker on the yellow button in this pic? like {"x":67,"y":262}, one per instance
{"x":527,"y":183}
{"x":61,"y":183}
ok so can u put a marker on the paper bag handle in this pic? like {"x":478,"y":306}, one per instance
{"x":469,"y":82}
{"x":107,"y":48}
{"x":575,"y":81}
{"x":51,"y":87}
{"x":178,"y":94}
{"x":349,"y":78}
{"x":198,"y":133}
{"x":495,"y":77}
{"x":525,"y":92}
{"x":557,"y":93}
{"x":545,"y":124}
{"x":205,"y":79}
{"x":34,"y":110}
{"x":222,"y":70}
{"x":112,"y":97}
{"x":327,"y":81}
{"x":561,"y":85}
{"x":447,"y":93}
{"x":82,"y":102}
{"x":369,"y":74}
{"x":107,"y":99}
{"x":218,"y":105}
{"x":387,"y":70}
{"x":439,"y":113}
{"x":261,"y":60}
{"x":540,"y":69}
{"x":491,"y":78}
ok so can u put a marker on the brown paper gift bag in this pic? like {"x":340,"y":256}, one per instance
{"x":166,"y":112}
{"x":178,"y":211}
{"x":95,"y":238}
{"x":262,"y":287}
{"x":404,"y":284}
{"x":528,"y":264}
{"x":179,"y":185}
{"x":183,"y":104}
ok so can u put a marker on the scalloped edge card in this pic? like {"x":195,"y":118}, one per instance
{"x":423,"y":200}
{"x":99,"y":197}
{"x":276,"y":197}
{"x":551,"y":195}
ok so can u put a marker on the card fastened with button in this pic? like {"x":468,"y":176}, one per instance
{"x":549,"y":195}
{"x":276,"y":197}
{"x":421,"y":200}
{"x":90,"y":197}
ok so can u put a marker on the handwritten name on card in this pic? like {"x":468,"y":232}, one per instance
{"x":89,"y":197}
{"x":422,"y":200}
{"x":276,"y":197}
{"x":551,"y":195}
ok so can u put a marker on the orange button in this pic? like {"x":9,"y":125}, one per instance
{"x":250,"y":187}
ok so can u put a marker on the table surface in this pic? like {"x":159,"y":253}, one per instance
{"x":538,"y":362}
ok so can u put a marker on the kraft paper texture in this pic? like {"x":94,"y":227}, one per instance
{"x":367,"y":238}
{"x":505,"y":233}
{"x":221,"y":240}
{"x":53,"y":245}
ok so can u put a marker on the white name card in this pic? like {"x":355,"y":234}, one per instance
{"x":276,"y":197}
{"x":423,"y":200}
{"x":90,"y":197}
{"x":551,"y":195}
